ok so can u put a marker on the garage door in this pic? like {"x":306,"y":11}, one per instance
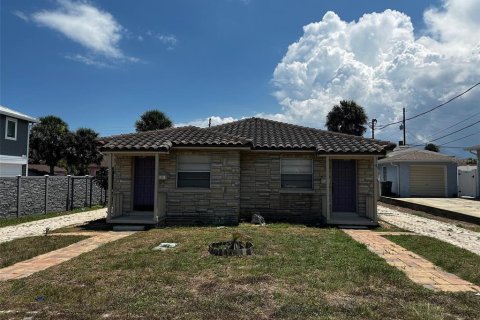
{"x":427,"y":181}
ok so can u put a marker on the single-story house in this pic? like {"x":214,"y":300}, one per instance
{"x":419,"y":173}
{"x":227,"y":173}
{"x":476,"y":151}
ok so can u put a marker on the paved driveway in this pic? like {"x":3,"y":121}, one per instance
{"x":37,"y":228}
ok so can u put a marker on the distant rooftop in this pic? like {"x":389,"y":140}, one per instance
{"x":411,"y":154}
{"x":15,"y":114}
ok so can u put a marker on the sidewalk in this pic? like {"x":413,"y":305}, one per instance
{"x":37,"y":228}
{"x":418,"y":269}
{"x":28,"y":267}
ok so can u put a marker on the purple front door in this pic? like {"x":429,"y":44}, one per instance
{"x":144,"y":183}
{"x":344,"y":186}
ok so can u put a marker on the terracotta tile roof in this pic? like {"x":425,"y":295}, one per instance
{"x":255,"y":133}
{"x":163,"y":140}
{"x":412,"y":154}
{"x":269,"y":134}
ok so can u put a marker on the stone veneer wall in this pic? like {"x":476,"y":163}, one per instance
{"x":365,"y":184}
{"x":219,"y":205}
{"x":32,"y":195}
{"x":261,"y":193}
{"x":123,"y":180}
{"x":190,"y":206}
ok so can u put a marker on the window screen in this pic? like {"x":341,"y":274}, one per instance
{"x":193,"y":171}
{"x":297,"y":173}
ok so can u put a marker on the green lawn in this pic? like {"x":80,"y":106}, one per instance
{"x":453,"y":259}
{"x":23,"y":249}
{"x":296,"y":273}
{"x":35,"y":217}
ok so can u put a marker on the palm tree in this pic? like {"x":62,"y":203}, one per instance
{"x":348,"y":117}
{"x":48,"y":141}
{"x":153,"y":120}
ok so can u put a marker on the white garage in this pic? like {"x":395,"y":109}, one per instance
{"x":428,"y":180}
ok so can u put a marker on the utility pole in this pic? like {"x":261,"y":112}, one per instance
{"x":374,"y":122}
{"x":404,"y":132}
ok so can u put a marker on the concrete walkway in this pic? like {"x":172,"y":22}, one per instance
{"x":418,"y":269}
{"x":454,"y":208}
{"x":37,"y":228}
{"x":28,"y":267}
{"x":460,"y":237}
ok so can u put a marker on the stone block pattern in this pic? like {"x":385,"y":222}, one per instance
{"x":261,"y":191}
{"x":219,"y":205}
{"x":123,"y":180}
{"x":365,"y":184}
{"x":32,"y":195}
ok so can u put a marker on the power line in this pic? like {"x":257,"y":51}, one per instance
{"x":430,"y":110}
{"x":453,"y":125}
{"x":470,"y":125}
{"x":459,"y":138}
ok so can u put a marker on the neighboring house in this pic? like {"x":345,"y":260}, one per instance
{"x":226,"y":173}
{"x":476,"y":151}
{"x":419,"y":173}
{"x":14,"y":136}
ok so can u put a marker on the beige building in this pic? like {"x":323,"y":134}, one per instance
{"x":225,"y":174}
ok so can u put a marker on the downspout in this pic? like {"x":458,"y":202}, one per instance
{"x":398,"y":177}
{"x":30,"y":124}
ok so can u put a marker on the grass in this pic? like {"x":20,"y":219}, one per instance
{"x":295,"y":273}
{"x":26,"y":248}
{"x":461,"y":262}
{"x":35,"y":217}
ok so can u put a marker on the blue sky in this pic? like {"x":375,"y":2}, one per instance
{"x":196,"y":59}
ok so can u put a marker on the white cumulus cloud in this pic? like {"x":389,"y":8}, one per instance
{"x":83,"y":23}
{"x":380,"y":62}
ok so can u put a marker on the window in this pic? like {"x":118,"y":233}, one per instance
{"x":384,"y":173}
{"x":297,"y":173}
{"x":11,"y":129}
{"x":193,"y":171}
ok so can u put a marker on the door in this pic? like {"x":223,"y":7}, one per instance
{"x":467,"y":183}
{"x":344,"y":186}
{"x":427,"y":181}
{"x":144,"y":183}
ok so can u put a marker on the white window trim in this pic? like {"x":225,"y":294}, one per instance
{"x":178,"y":171}
{"x":6,"y":128}
{"x":281,"y":166}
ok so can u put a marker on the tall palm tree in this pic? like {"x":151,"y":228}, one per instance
{"x":347,"y":117}
{"x":153,"y":120}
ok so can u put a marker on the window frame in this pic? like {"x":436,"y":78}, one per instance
{"x":196,"y":171}
{"x":295,"y":188}
{"x":8,"y":119}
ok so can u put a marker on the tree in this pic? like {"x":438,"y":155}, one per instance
{"x":47,"y":141}
{"x":82,"y":150}
{"x":348,"y":117}
{"x":432,"y":147}
{"x":153,"y":120}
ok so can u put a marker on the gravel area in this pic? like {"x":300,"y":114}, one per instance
{"x":447,"y":232}
{"x":37,"y":228}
